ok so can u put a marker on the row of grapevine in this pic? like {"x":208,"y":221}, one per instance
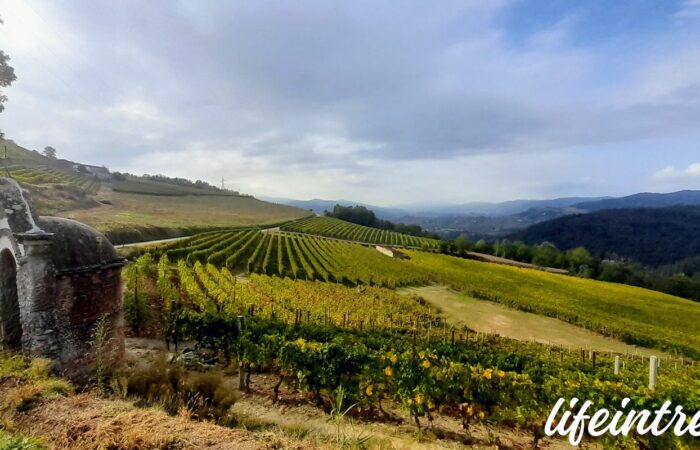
{"x":339,"y":229}
{"x":211,"y":289}
{"x":50,"y":175}
{"x":294,"y":256}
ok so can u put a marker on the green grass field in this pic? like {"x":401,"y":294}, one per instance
{"x":490,"y":317}
{"x":10,"y":150}
{"x":633,"y":315}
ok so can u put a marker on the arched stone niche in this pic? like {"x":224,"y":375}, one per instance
{"x":58,"y":278}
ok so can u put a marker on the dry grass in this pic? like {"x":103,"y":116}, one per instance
{"x":33,"y":403}
{"x":84,"y":422}
{"x":149,"y":217}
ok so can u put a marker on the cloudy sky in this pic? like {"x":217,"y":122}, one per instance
{"x":391,"y":102}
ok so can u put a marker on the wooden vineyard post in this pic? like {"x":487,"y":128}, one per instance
{"x":653,"y":371}
{"x":593,"y":359}
{"x":617,"y":364}
{"x":413,"y":342}
{"x":453,"y":337}
{"x":241,"y":373}
{"x":360,"y":325}
{"x":561,"y":355}
{"x":308,"y":316}
{"x":583,"y":355}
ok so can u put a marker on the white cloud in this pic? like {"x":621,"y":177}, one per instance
{"x":670,"y":173}
{"x":689,"y":10}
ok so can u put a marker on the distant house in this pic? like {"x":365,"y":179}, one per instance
{"x":391,"y":252}
{"x":102,"y":173}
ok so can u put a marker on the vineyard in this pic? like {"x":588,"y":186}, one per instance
{"x":339,"y":229}
{"x":210,"y":289}
{"x":375,"y":346}
{"x":631,"y":314}
{"x":50,"y":175}
{"x":294,"y":256}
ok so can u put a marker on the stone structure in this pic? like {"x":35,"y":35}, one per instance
{"x":58,"y":278}
{"x":391,"y":252}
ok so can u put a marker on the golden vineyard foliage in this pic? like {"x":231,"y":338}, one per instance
{"x":216,"y":290}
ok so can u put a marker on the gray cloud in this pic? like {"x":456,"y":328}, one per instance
{"x":342,"y":88}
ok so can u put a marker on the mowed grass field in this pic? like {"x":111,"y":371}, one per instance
{"x":633,"y":315}
{"x":137,"y":217}
{"x":490,"y":317}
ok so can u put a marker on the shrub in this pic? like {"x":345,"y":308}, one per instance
{"x":199,"y":395}
{"x":8,"y":442}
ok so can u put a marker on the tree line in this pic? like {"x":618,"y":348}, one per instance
{"x":361,"y":215}
{"x":673,"y":279}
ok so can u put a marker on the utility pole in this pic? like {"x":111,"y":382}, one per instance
{"x":223,"y":187}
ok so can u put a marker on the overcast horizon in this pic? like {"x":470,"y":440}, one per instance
{"x":385,"y":103}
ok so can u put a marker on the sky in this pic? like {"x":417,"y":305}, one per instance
{"x":384,"y":102}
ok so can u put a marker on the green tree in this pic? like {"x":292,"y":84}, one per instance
{"x":580,"y":261}
{"x":461,"y":244}
{"x":50,"y":152}
{"x":523,"y":252}
{"x":547,"y":255}
{"x":482,"y":246}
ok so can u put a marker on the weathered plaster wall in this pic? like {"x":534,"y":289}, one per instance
{"x":62,"y":277}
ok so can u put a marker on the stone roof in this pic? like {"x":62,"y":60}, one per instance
{"x":77,"y":247}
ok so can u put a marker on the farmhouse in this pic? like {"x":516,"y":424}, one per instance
{"x":58,"y":279}
{"x":102,"y":173}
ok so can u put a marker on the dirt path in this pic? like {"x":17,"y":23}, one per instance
{"x":159,"y":241}
{"x":489,"y":317}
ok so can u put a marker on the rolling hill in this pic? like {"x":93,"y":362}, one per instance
{"x":651,"y":236}
{"x":131,"y":208}
{"x":642,"y":200}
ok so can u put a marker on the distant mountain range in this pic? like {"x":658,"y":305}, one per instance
{"x":643,"y":200}
{"x":491,"y":220}
{"x":505,"y":208}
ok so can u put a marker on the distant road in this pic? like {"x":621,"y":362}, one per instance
{"x":160,"y":241}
